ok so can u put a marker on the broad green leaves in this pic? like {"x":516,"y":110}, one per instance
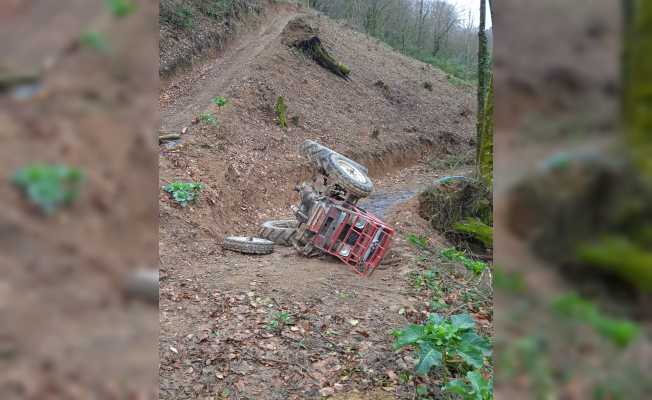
{"x":441,"y":340}
{"x":49,"y":186}
{"x":219,"y":101}
{"x":409,"y":335}
{"x":121,"y":8}
{"x":474,"y":387}
{"x":183,"y":193}
{"x":429,"y":357}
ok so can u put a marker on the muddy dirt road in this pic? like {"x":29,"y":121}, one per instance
{"x":216,"y":306}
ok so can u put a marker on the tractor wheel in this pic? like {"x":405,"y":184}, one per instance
{"x":281,"y":232}
{"x":248,"y":245}
{"x":318,"y":156}
{"x":349,"y":176}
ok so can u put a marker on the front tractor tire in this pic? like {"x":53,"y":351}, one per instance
{"x":281,"y":232}
{"x":248,"y":245}
{"x":348,"y":174}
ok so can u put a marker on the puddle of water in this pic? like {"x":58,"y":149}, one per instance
{"x":379,"y":203}
{"x":170,"y":144}
{"x":26,"y":91}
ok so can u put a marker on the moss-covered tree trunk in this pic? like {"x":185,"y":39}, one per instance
{"x":482,"y":72}
{"x":627,"y":251}
{"x":485,"y":161}
{"x":313,"y":48}
{"x":637,"y":66}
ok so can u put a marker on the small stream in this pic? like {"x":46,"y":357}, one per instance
{"x":380,"y":202}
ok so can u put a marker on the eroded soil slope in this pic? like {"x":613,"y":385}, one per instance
{"x":216,"y":306}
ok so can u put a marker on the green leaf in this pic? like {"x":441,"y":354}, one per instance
{"x":482,"y":388}
{"x":422,"y":390}
{"x":428,"y":357}
{"x":456,"y":386}
{"x":408,"y":336}
{"x":470,"y":354}
{"x":463,"y":321}
{"x":475,"y":340}
{"x":121,"y":8}
{"x":49,"y":186}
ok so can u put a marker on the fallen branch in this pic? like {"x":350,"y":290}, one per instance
{"x":313,"y":48}
{"x":11,"y":79}
{"x":168,"y":137}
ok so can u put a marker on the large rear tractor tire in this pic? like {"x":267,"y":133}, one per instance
{"x":281,"y":232}
{"x":349,"y":176}
{"x":318,"y":155}
{"x":248,"y":245}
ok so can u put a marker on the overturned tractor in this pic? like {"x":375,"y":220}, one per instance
{"x":328,"y":220}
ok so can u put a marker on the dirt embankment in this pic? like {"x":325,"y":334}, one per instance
{"x":383,"y":117}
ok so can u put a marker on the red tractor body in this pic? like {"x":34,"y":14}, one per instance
{"x":353,"y":235}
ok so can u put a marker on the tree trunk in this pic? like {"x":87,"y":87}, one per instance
{"x":420,"y":26}
{"x":637,"y":93}
{"x":436,"y":46}
{"x":485,"y":163}
{"x":482,"y":75}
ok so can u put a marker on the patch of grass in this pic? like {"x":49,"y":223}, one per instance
{"x":279,"y":321}
{"x":281,"y":110}
{"x":208,"y":118}
{"x":417,"y":241}
{"x":456,"y":81}
{"x":621,"y":332}
{"x":49,"y":186}
{"x":425,"y":280}
{"x":475,"y":266}
{"x":94,"y":40}
{"x":219,"y":101}
{"x":511,"y":282}
{"x":453,"y":161}
{"x":442,"y":342}
{"x":455,"y":70}
{"x":121,"y":8}
{"x":217,"y":9}
{"x":184,"y":193}
{"x":180,"y":16}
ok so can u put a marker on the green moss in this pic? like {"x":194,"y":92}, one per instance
{"x":343,"y":68}
{"x":476,"y":229}
{"x":313,"y":48}
{"x":623,"y":257}
{"x":485,"y":162}
{"x":457,"y":200}
{"x":637,"y":105}
{"x":281,"y":111}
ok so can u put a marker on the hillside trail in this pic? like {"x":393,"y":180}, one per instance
{"x":187,"y":95}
